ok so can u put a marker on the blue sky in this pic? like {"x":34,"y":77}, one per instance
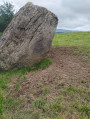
{"x":72,"y":14}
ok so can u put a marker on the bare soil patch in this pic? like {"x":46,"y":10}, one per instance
{"x":66,"y":70}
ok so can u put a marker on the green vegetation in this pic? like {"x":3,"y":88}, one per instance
{"x":80,"y":40}
{"x":46,"y":90}
{"x":8,"y":103}
{"x":6,"y":15}
{"x":64,"y":105}
{"x":39,"y":103}
{"x":48,"y":99}
{"x":0,"y":33}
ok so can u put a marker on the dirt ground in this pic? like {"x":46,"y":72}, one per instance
{"x":66,"y":68}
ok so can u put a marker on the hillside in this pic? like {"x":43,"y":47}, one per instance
{"x":65,"y":31}
{"x":56,"y":88}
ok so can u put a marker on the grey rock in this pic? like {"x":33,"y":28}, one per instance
{"x":28,"y":37}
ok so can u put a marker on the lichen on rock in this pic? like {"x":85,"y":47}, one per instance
{"x":28,"y":37}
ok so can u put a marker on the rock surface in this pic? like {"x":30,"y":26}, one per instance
{"x":28,"y":37}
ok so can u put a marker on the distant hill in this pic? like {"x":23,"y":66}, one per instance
{"x":65,"y":31}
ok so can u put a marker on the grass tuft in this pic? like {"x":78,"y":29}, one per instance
{"x":39,"y":103}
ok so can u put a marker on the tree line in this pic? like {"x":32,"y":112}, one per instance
{"x":6,"y":15}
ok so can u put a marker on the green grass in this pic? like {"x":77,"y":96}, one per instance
{"x":8,"y":103}
{"x":46,"y":90}
{"x":39,"y":103}
{"x":62,"y":102}
{"x":80,"y":40}
{"x":0,"y":33}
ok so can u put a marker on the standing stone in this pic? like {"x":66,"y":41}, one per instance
{"x":28,"y":37}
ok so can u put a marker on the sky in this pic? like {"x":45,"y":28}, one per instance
{"x":72,"y":14}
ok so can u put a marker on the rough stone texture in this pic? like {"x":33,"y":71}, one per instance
{"x":28,"y":37}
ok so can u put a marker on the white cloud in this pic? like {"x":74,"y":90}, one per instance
{"x":72,"y":14}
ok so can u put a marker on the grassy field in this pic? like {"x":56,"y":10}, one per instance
{"x":10,"y":103}
{"x":80,"y":40}
{"x":10,"y":106}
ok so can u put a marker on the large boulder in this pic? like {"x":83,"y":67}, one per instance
{"x":28,"y":37}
